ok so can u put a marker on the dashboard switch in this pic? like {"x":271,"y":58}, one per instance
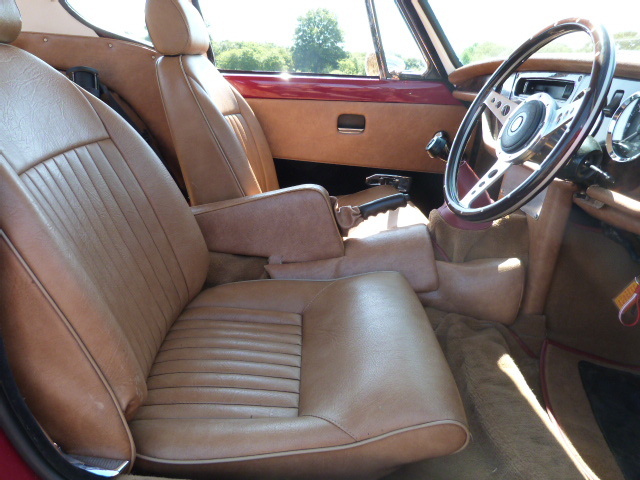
{"x":613,"y":105}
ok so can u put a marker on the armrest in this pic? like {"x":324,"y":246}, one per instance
{"x":295,"y":224}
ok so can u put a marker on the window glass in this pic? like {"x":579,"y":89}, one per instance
{"x":302,"y":36}
{"x":476,"y":32}
{"x":401,"y":51}
{"x":124,"y":18}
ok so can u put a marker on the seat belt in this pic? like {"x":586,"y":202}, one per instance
{"x":89,"y":79}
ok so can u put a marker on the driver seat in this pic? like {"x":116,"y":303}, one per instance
{"x":221,"y":147}
{"x":120,"y":353}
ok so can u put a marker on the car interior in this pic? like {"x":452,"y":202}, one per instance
{"x":382,"y":267}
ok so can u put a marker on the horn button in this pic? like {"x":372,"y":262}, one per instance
{"x":523,"y":125}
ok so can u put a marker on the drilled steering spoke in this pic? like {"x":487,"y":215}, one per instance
{"x":492,"y":176}
{"x":563,"y":116}
{"x":500,"y":106}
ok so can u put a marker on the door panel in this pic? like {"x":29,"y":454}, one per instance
{"x":300,"y":118}
{"x":394,"y":137}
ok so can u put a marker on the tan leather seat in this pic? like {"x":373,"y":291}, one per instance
{"x":119,"y":353}
{"x":222,"y":150}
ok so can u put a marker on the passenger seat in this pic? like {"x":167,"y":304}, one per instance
{"x":221,"y":147}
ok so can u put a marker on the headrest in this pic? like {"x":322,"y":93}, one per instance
{"x":176,"y":27}
{"x":10,"y":21}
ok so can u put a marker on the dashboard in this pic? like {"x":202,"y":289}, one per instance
{"x":610,"y":191}
{"x":617,"y":131}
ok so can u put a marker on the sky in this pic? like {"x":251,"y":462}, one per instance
{"x":507,"y":22}
{"x":511,"y":22}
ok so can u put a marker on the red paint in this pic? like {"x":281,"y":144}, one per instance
{"x":347,"y":89}
{"x":12,"y":466}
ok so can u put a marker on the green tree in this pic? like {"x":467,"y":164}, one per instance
{"x":627,"y":40}
{"x":354,"y":64}
{"x":482,"y":51}
{"x":317,"y":42}
{"x":252,"y":56}
{"x":414,"y":65}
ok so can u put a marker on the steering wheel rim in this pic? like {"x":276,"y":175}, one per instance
{"x":577,"y":118}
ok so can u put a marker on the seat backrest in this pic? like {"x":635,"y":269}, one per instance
{"x":99,"y":253}
{"x":221,"y":147}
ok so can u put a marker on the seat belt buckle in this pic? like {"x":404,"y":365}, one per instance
{"x":402,"y":184}
{"x":87,"y":78}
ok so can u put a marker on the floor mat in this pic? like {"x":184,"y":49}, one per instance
{"x":614,"y":396}
{"x":499,"y":386}
{"x":569,"y":405}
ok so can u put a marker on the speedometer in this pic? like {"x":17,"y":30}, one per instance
{"x":623,"y":136}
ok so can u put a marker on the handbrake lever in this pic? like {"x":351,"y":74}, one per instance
{"x":383,"y":204}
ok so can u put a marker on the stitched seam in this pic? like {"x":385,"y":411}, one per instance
{"x":253,"y":328}
{"x":227,"y":374}
{"x":223,"y":417}
{"x":211,"y":130}
{"x":240,"y":338}
{"x":252,"y":137}
{"x":133,"y":234}
{"x":180,"y":267}
{"x":57,"y":153}
{"x":230,"y":349}
{"x":199,"y":360}
{"x":142,"y":218}
{"x":212,"y":404}
{"x":76,"y":337}
{"x":248,"y":138}
{"x":239,"y":390}
{"x":151,"y":207}
{"x":108,"y":260}
{"x":304,"y":451}
{"x":334,"y":423}
{"x":186,"y":24}
{"x":123,"y":243}
{"x":316,"y":296}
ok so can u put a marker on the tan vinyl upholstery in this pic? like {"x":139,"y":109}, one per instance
{"x":119,"y":353}
{"x":11,"y":21}
{"x":178,"y":30}
{"x":221,"y":147}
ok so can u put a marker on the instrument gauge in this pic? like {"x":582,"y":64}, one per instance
{"x":623,"y":135}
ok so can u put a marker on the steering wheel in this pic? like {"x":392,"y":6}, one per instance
{"x":537,"y":130}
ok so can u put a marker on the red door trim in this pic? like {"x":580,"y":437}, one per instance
{"x":349,"y":89}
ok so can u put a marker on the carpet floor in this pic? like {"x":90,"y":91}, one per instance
{"x":569,"y":405}
{"x":512,"y":436}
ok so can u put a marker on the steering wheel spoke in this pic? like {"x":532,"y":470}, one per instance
{"x":563,"y":116}
{"x":500,"y":106}
{"x":494,"y":174}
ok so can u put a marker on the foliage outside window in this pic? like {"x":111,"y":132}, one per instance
{"x":301,"y":36}
{"x":295,"y":36}
{"x":402,"y":54}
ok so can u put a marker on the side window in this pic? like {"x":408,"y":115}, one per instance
{"x":305,"y":36}
{"x":402,"y":55}
{"x":120,"y":18}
